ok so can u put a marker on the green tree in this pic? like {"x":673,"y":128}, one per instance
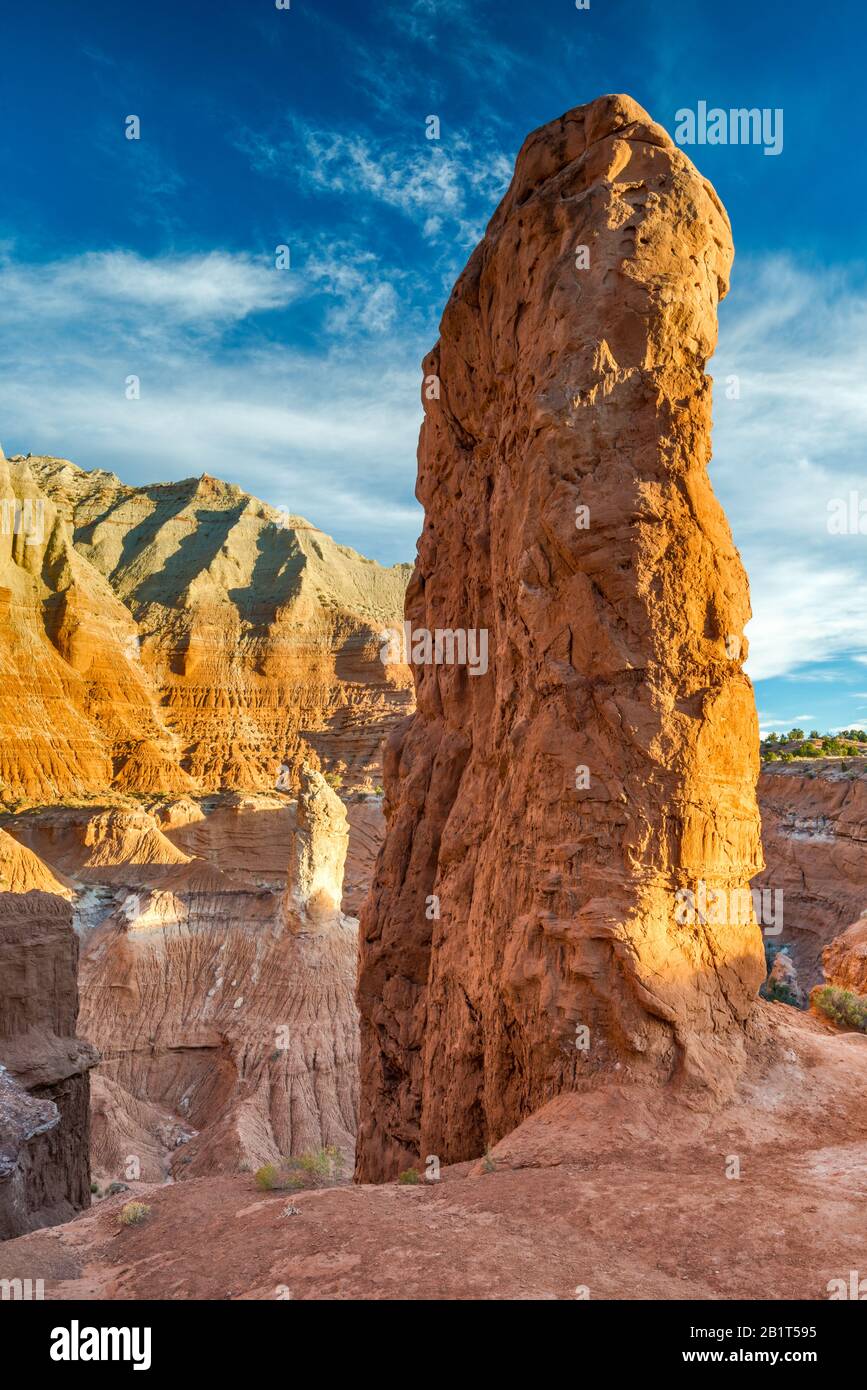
{"x":795,"y":735}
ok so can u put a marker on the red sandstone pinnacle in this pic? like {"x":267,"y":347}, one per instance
{"x":519,"y":900}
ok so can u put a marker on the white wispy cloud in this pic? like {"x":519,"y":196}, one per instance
{"x":450,"y":180}
{"x":361,"y":295}
{"x":422,"y":19}
{"x":331,"y":432}
{"x":209,"y":289}
{"x":789,"y":437}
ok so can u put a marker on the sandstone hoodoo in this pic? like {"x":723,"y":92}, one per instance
{"x":315,"y":881}
{"x":522,"y":935}
{"x":44,"y":1066}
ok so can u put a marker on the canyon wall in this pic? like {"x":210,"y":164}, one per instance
{"x":844,"y":960}
{"x":182,"y":637}
{"x":222,"y":1000}
{"x":524,"y":933}
{"x":814,"y":832}
{"x":171,"y":657}
{"x":44,"y":1066}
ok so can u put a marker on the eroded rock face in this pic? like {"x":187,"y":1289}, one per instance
{"x":315,"y":886}
{"x":783,"y":982}
{"x":44,"y":1087}
{"x":181,"y":638}
{"x":223,"y":1000}
{"x":542,"y":817}
{"x":845,"y":959}
{"x":814,"y":831}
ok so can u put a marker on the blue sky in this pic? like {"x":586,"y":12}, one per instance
{"x":306,"y":127}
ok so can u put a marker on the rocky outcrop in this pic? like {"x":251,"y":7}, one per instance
{"x":612,"y":1195}
{"x":44,"y":1088}
{"x":845,"y":960}
{"x":315,"y":887}
{"x":222,"y":1000}
{"x":75,"y":698}
{"x":180,"y":638}
{"x":814,"y":832}
{"x":783,"y":983}
{"x":529,"y":927}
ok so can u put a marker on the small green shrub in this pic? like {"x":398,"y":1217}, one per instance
{"x":409,"y":1176}
{"x":319,"y":1163}
{"x":134,"y":1213}
{"x":841,"y":1006}
{"x":316,"y":1168}
{"x":778,"y":993}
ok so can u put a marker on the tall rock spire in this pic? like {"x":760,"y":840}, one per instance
{"x":562,"y":897}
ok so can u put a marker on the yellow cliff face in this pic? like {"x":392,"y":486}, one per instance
{"x":180,"y":638}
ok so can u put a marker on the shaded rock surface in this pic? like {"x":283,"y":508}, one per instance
{"x":814,"y":832}
{"x":845,"y":960}
{"x":783,"y":980}
{"x":222,"y":1001}
{"x":44,"y":1087}
{"x":542,"y":817}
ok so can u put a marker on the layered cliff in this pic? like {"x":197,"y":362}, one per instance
{"x":530,"y":929}
{"x":44,"y":1087}
{"x":181,"y":637}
